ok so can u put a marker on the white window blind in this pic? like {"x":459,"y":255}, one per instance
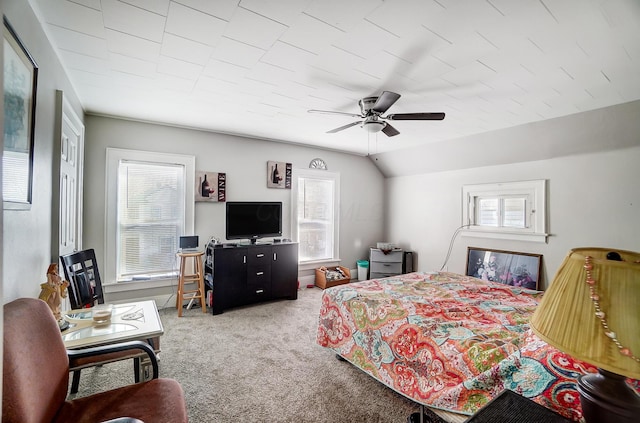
{"x":501,"y":211}
{"x":150,"y":217}
{"x":507,"y":210}
{"x":315,"y":225}
{"x":315,"y":219}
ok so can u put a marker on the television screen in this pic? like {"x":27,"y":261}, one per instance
{"x":253,"y":220}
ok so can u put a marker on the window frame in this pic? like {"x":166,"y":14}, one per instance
{"x":322,"y":175}
{"x":113,"y":158}
{"x":534,"y":193}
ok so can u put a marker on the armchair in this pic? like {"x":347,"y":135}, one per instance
{"x":36,"y":377}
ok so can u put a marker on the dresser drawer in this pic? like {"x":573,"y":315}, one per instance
{"x":259,"y":256}
{"x":390,"y":268}
{"x":391,"y":257}
{"x":258,"y":275}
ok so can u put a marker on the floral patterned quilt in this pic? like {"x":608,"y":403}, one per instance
{"x":448,"y":341}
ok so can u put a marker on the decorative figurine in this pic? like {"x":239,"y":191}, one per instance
{"x":53,"y":291}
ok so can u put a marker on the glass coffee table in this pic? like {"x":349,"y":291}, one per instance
{"x":135,"y":321}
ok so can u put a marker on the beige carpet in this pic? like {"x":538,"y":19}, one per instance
{"x":260,"y":363}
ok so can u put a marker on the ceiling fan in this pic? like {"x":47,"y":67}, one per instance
{"x":371,"y":115}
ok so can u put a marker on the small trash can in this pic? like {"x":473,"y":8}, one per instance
{"x":363,"y":268}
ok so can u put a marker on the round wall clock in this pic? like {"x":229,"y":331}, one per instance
{"x":318,"y":164}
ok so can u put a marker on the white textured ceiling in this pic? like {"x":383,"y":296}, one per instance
{"x":254,"y":67}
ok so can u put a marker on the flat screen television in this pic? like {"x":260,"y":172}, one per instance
{"x":253,"y":220}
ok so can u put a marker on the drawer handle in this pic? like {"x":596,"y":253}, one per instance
{"x":259,"y":273}
{"x":259,"y":255}
{"x":259,"y":291}
{"x":387,"y":264}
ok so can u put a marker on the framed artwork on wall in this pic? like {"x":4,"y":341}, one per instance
{"x":211,"y":186}
{"x":20,"y":85}
{"x":279,"y":175}
{"x":506,"y":267}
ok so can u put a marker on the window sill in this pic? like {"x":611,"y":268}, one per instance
{"x":134,"y":285}
{"x":514,"y":236}
{"x":309,"y":265}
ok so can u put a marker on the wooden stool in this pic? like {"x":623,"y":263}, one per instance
{"x":196,"y":277}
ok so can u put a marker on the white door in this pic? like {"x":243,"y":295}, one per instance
{"x":71,"y":167}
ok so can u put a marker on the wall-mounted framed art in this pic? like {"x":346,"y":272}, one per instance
{"x":506,"y":267}
{"x":211,"y":186}
{"x":279,"y":175}
{"x":20,"y":85}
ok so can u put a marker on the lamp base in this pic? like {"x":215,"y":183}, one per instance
{"x":605,"y":397}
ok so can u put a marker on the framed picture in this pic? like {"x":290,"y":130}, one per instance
{"x":211,"y":186}
{"x":20,"y":83}
{"x":506,"y":267}
{"x":279,"y":175}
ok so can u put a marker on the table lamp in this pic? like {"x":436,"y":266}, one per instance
{"x":591,"y":311}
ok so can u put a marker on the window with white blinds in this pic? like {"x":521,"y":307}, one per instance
{"x":510,"y":210}
{"x":315,"y":214}
{"x":149,"y":206}
{"x":151,"y":203}
{"x":501,"y":211}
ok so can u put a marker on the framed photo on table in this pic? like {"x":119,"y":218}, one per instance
{"x":505,"y":267}
{"x":20,"y":84}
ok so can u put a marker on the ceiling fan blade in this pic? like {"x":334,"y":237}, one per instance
{"x":390,"y":131}
{"x":386,"y":100}
{"x":416,"y":116}
{"x":329,"y":112}
{"x":333,"y":131}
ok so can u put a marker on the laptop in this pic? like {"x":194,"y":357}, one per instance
{"x":189,"y":243}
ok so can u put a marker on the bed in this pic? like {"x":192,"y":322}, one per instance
{"x":448,"y":341}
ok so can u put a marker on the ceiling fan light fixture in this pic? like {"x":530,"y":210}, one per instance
{"x":373,"y":116}
{"x":374,"y":125}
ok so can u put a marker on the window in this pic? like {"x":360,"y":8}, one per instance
{"x":512,"y":210}
{"x":149,"y":206}
{"x":316,"y":205}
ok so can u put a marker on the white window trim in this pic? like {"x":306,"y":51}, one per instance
{"x":536,"y":229}
{"x":317,"y":174}
{"x":114,"y":156}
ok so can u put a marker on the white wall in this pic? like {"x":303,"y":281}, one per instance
{"x":27,"y":235}
{"x":605,"y":129}
{"x":244,"y":160}
{"x":593,"y":201}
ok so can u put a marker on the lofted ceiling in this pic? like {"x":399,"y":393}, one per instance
{"x":255,"y":67}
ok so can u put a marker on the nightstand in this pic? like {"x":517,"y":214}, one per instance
{"x":385,"y":263}
{"x":509,"y":407}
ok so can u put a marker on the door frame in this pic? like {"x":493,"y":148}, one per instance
{"x":65,"y":113}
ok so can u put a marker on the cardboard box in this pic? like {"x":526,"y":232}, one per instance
{"x":322,"y":282}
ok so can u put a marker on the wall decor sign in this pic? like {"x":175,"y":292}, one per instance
{"x":505,"y":267}
{"x":211,"y":186}
{"x":20,"y":83}
{"x":279,"y":175}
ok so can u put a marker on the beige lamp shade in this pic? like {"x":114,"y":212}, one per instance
{"x":603,"y":330}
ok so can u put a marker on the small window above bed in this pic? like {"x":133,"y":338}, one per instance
{"x":506,"y":210}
